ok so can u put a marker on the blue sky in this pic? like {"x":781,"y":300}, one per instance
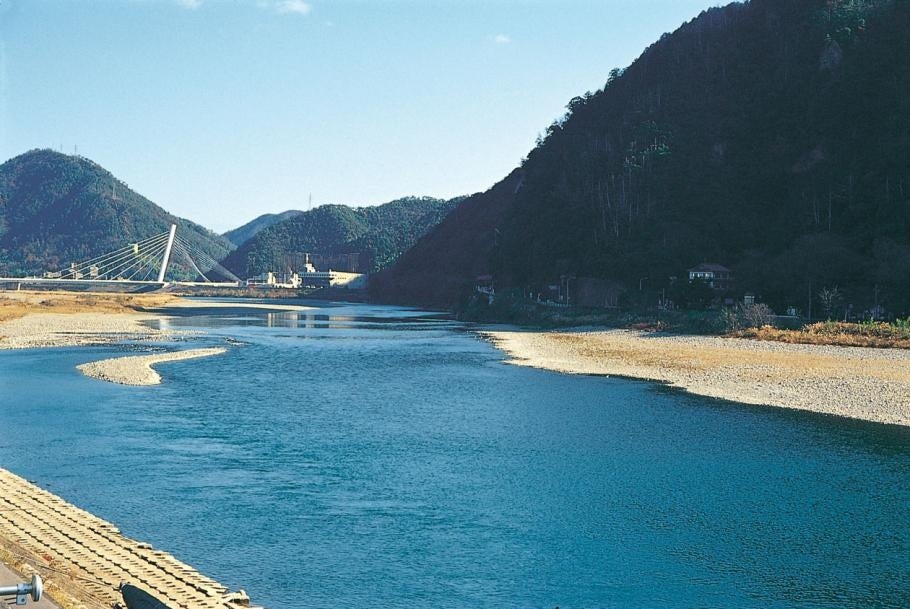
{"x":221,"y":110}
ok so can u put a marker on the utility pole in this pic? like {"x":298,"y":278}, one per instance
{"x":167,"y":253}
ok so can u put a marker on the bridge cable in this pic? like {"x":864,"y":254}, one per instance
{"x":182,"y":249}
{"x":118,"y":252}
{"x":210,"y":262}
{"x":149,"y":259}
{"x":127,"y":261}
{"x":107,"y":257}
{"x":153,"y":270}
{"x":145,"y":268}
{"x":118,"y":258}
{"x":140,"y":261}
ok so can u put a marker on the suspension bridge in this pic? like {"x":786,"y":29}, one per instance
{"x":140,"y":266}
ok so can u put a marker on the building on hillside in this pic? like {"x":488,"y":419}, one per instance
{"x":483,"y":284}
{"x":717,"y":276}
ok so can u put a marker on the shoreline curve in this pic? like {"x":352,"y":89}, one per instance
{"x":860,"y":383}
{"x":138,"y":370}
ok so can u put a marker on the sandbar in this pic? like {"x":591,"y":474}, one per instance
{"x":137,"y":369}
{"x":862,"y":383}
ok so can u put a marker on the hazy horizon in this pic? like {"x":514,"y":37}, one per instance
{"x":222,"y":111}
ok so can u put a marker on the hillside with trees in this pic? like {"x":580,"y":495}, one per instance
{"x":56,"y":209}
{"x":375,"y":235}
{"x":244,"y":233}
{"x":771,"y":136}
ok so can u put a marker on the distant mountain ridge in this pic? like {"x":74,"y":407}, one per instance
{"x":249,"y":230}
{"x":372,"y":236}
{"x":769,"y":136}
{"x":56,"y":209}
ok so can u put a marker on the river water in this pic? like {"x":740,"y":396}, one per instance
{"x":360,"y":456}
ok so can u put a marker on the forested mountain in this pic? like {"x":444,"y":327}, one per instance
{"x":56,"y":209}
{"x":439,"y":267}
{"x":375,"y":235}
{"x":771,"y":136}
{"x":243,"y":233}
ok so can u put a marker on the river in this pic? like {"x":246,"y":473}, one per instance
{"x":363,"y":456}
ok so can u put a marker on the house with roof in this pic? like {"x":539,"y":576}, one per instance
{"x":716,"y":276}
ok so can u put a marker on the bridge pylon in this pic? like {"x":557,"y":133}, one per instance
{"x":167,"y":253}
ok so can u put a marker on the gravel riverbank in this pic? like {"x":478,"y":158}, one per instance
{"x":74,"y":329}
{"x":111,"y":323}
{"x":137,"y":369}
{"x":862,"y":383}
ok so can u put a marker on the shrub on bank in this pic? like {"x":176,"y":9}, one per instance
{"x":846,"y":334}
{"x":742,"y":321}
{"x":742,"y":317}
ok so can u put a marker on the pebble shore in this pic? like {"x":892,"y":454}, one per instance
{"x":38,"y":330}
{"x":861,"y":383}
{"x":77,"y":329}
{"x":137,"y":369}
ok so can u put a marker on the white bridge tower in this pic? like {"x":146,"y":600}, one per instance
{"x":167,"y":253}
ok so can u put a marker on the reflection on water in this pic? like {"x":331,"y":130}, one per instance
{"x":326,"y":316}
{"x":367,"y":456}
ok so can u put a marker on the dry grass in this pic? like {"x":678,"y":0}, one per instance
{"x":18,"y":304}
{"x":871,"y":334}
